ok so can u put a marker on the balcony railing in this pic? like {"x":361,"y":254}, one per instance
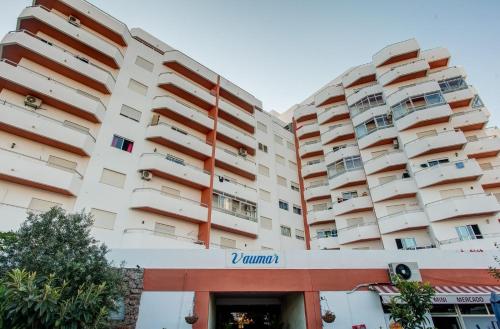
{"x":252,"y":218}
{"x":235,"y":154}
{"x":464,"y":197}
{"x":173,"y":196}
{"x":459,"y":164}
{"x":161,"y":234}
{"x":374,"y":130}
{"x":176,"y":160}
{"x":344,"y":171}
{"x":476,"y":237}
{"x":347,"y":228}
{"x":180,"y":131}
{"x":399,"y":213}
{"x":429,"y":136}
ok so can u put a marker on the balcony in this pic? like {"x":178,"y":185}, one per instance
{"x":441,"y":142}
{"x":332,"y":114}
{"x":403,"y":221}
{"x":40,"y":19}
{"x":237,"y":116}
{"x":310,"y":149}
{"x":236,"y":137}
{"x":304,"y":112}
{"x":232,"y":162}
{"x":23,"y":44}
{"x":460,"y":97}
{"x":331,"y":242}
{"x":313,"y":170}
{"x":424,"y":116}
{"x":162,"y":203}
{"x":348,"y":150}
{"x":174,"y":169}
{"x":33,"y":172}
{"x":491,"y":177}
{"x":447,"y":173}
{"x":393,"y":160}
{"x":462,"y":206}
{"x":231,"y":222}
{"x":487,"y":241}
{"x":436,"y":57}
{"x":378,"y":136}
{"x":91,"y":17}
{"x":359,"y":75}
{"x":308,"y":131}
{"x":337,"y":133}
{"x":367,"y":114}
{"x":320,"y":216}
{"x":317,"y":192}
{"x":170,"y":136}
{"x":190,"y":92}
{"x":236,"y":189}
{"x":396,"y":189}
{"x":471,"y":119}
{"x":143,"y":238}
{"x":329,"y":95}
{"x":183,"y":113}
{"x":448,"y":73}
{"x":54,"y":93}
{"x":404,"y":72}
{"x":397,"y":52}
{"x":353,"y":205}
{"x":406,"y":92}
{"x":238,"y":96}
{"x":363,"y":92}
{"x":483,"y":147}
{"x":348,"y":178}
{"x":357,"y":233}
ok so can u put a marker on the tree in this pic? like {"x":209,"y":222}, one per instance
{"x":55,"y":250}
{"x":410,"y":307}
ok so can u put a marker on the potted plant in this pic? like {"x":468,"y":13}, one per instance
{"x":328,"y":316}
{"x":191,"y":319}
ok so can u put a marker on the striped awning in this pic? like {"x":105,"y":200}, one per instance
{"x":446,"y":294}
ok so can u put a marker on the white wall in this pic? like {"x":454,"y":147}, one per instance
{"x":293,"y":311}
{"x":167,"y":310}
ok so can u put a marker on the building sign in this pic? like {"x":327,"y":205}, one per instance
{"x":254,"y":259}
{"x":452,"y":299}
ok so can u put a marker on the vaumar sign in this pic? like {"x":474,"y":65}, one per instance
{"x":254,"y":259}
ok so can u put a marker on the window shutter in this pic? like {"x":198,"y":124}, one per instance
{"x":399,"y":243}
{"x":113,"y":178}
{"x":103,"y":219}
{"x":42,"y":205}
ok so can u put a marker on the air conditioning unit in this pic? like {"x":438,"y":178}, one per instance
{"x":83,"y":59}
{"x":74,"y":21}
{"x":146,"y":175}
{"x":407,"y":271}
{"x":242,"y":151}
{"x":155,"y":119}
{"x":32,"y":101}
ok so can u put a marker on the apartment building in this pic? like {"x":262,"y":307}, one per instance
{"x":397,"y":154}
{"x":164,"y":152}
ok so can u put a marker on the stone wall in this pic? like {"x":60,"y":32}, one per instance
{"x":133,"y":279}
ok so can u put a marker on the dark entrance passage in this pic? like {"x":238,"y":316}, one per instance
{"x":249,"y":317}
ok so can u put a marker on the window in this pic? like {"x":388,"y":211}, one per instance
{"x":394,"y":209}
{"x":297,"y":210}
{"x":416,"y":103}
{"x":292,"y":165}
{"x":61,"y":163}
{"x":278,"y":139}
{"x":486,"y":166}
{"x":366,"y":103}
{"x":130,"y":113}
{"x":451,"y":193}
{"x":349,"y":195}
{"x":266,"y":223}
{"x":263,"y":147}
{"x":378,"y":122}
{"x":262,"y":127}
{"x":122,"y":143}
{"x":406,"y":243}
{"x":103,"y":219}
{"x":226,"y":243}
{"x":427,"y":133}
{"x":432,"y":163}
{"x":164,"y":229}
{"x":477,"y":102}
{"x":469,"y":232}
{"x":452,"y":84}
{"x":294,"y":186}
{"x":299,"y":234}
{"x":137,"y":87}
{"x":281,"y":180}
{"x":113,"y":178}
{"x":280,"y":159}
{"x":264,"y":195}
{"x":321,"y":234}
{"x":290,"y":146}
{"x":386,"y":179}
{"x":42,"y":205}
{"x":286,"y":231}
{"x":145,"y":64}
{"x":263,"y":170}
{"x":346,"y":164}
{"x":283,"y":205}
{"x":235,"y":206}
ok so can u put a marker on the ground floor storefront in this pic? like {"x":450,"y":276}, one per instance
{"x":294,"y":290}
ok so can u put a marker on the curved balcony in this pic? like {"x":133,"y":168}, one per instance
{"x":231,"y":222}
{"x":337,"y":133}
{"x":447,"y":173}
{"x":317,"y":192}
{"x":483,"y":147}
{"x":436,"y":57}
{"x":488,"y":241}
{"x":320,"y":216}
{"x":52,"y":92}
{"x":236,"y":137}
{"x":396,"y":52}
{"x":143,"y":238}
{"x":173,"y":169}
{"x":235,"y":188}
{"x":396,"y":189}
{"x":448,"y":73}
{"x":39,"y":19}
{"x":470,"y":120}
{"x":424,"y":116}
{"x":310,"y":149}
{"x":441,"y":142}
{"x":313,"y":170}
{"x":24,"y":44}
{"x":348,"y":178}
{"x":357,"y":233}
{"x":379,"y":136}
{"x":348,"y":151}
{"x":491,"y":177}
{"x":368,"y":114}
{"x":329,"y":95}
{"x":361,"y":93}
{"x":404,"y":72}
{"x":332,"y":114}
{"x":329,"y":243}
{"x":31,"y":124}
{"x":235,"y":163}
{"x":30,"y":171}
{"x":405,"y":92}
{"x":359,"y":75}
{"x":183,"y":113}
{"x":403,"y":221}
{"x":304,"y":112}
{"x":237,"y":116}
{"x":186,"y":90}
{"x":167,"y":135}
{"x":308,"y":131}
{"x":162,"y":203}
{"x":461,"y":97}
{"x":462,"y":206}
{"x":393,"y":160}
{"x":353,"y":205}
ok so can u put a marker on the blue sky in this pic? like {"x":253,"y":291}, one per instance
{"x":282,"y":51}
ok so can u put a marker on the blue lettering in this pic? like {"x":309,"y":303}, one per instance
{"x":236,"y":259}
